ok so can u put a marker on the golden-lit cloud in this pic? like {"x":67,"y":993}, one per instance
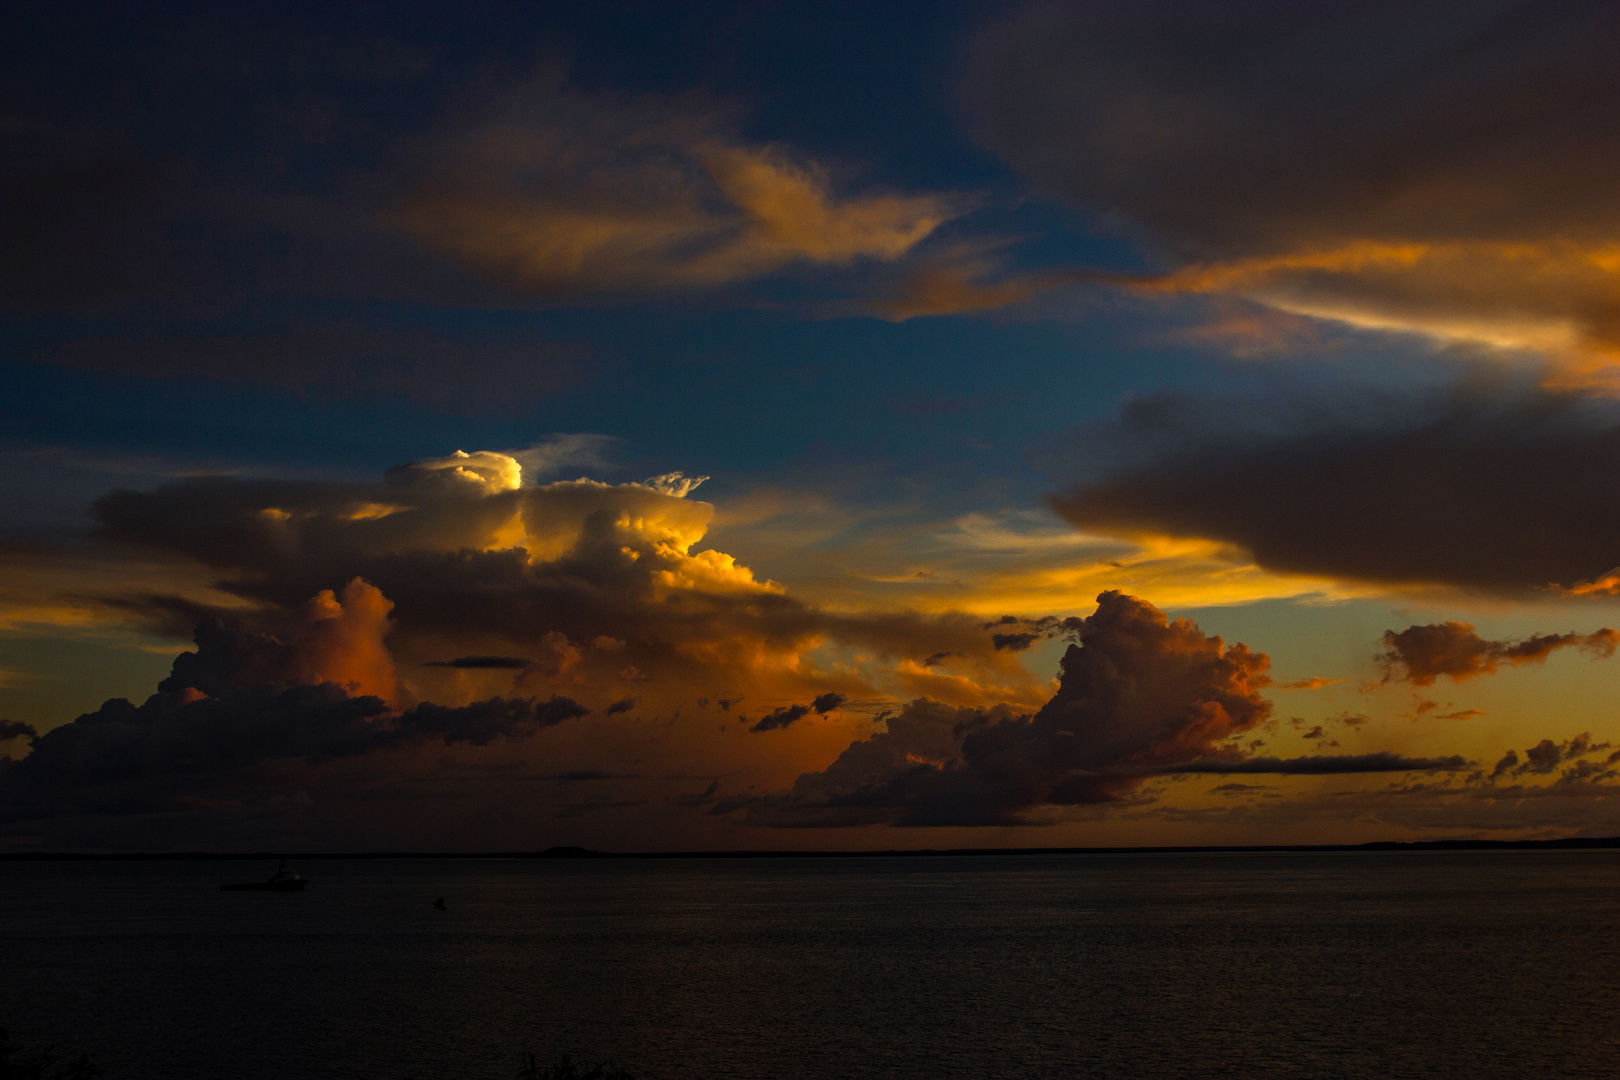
{"x":561,"y":193}
{"x":1436,"y":170}
{"x":1557,"y":297}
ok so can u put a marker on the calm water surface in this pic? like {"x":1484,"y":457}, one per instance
{"x":1470,"y":964}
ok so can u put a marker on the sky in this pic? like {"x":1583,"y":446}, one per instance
{"x":705,"y":426}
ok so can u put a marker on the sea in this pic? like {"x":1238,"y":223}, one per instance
{"x":1377,"y":964}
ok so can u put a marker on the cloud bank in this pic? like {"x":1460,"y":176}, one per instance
{"x":1440,"y":167}
{"x":1488,"y":488}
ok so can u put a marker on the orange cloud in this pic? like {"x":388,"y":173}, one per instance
{"x":341,"y":641}
{"x":562,"y":193}
{"x":1421,"y":654}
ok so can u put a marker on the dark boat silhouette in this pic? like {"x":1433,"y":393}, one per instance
{"x":283,"y":880}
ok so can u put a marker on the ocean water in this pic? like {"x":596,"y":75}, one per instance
{"x":1363,"y":964}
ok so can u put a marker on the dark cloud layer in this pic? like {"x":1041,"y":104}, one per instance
{"x":1441,"y":167}
{"x":1421,"y":654}
{"x":1490,"y":489}
{"x":1253,"y":126}
{"x":1323,"y":765}
{"x":239,"y":709}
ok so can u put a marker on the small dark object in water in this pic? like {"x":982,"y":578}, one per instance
{"x":283,"y":880}
{"x":439,"y":903}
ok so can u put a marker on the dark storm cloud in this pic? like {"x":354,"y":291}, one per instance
{"x":1245,"y":127}
{"x":231,"y":712}
{"x":623,"y":705}
{"x":1138,"y":693}
{"x":482,"y":662}
{"x":1421,"y":654}
{"x":1502,"y":490}
{"x":826,"y":703}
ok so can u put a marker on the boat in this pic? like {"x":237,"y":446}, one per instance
{"x":283,"y":880}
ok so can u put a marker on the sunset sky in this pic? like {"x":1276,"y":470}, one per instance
{"x":660,"y":426}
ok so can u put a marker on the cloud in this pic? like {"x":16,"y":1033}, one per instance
{"x":1315,"y":682}
{"x":779,"y":718}
{"x":1138,"y":693}
{"x":332,"y":641}
{"x":782,"y":717}
{"x":1421,"y":654}
{"x":1321,"y":765}
{"x":1442,"y":167}
{"x":560,"y":192}
{"x":502,"y":587}
{"x":1546,"y":756}
{"x":1013,"y":634}
{"x":1495,"y":488}
{"x":16,"y":729}
{"x":826,"y":703}
{"x":245,"y":710}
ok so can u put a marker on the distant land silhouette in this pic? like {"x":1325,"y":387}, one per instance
{"x":1571,"y":843}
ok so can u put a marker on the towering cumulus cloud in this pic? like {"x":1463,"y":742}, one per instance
{"x":1138,"y":693}
{"x":333,"y":641}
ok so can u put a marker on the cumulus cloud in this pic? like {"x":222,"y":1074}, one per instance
{"x":1421,"y":654}
{"x":1493,"y":488}
{"x":245,"y":707}
{"x":332,"y":641}
{"x":1137,"y":693}
{"x":575,"y":588}
{"x":1441,"y":167}
{"x":561,"y":193}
